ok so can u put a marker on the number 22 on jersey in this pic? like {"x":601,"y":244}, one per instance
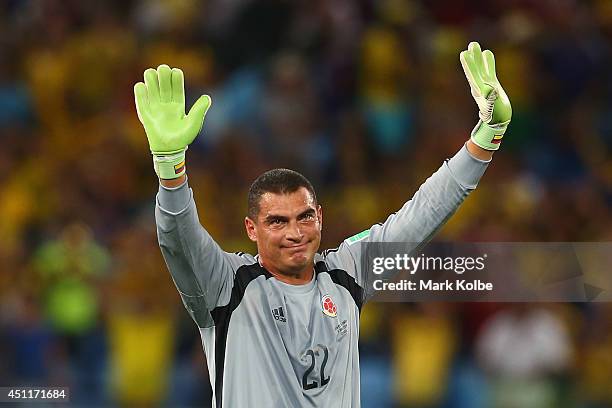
{"x":313,"y":378}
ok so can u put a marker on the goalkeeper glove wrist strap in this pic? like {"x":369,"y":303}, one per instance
{"x":487,"y":136}
{"x":169,"y":166}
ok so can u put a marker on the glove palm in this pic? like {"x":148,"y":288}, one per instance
{"x":160,"y":104}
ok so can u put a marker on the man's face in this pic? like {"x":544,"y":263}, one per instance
{"x":287,"y":231}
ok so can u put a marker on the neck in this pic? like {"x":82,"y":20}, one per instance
{"x":293,"y":278}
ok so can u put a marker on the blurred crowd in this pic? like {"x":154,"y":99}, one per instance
{"x":366,"y":98}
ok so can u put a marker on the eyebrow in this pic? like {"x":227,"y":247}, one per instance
{"x":309,"y":211}
{"x":271,"y":217}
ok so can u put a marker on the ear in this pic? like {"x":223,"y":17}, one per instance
{"x":320,"y":216}
{"x":249,"y":225}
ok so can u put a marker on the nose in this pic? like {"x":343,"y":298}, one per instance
{"x":293,"y":232}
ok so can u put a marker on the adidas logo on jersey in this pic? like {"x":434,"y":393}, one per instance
{"x":279,"y":314}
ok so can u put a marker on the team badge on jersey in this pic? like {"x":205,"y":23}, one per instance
{"x":329,"y":308}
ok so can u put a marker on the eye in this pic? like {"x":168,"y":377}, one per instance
{"x":308,"y":217}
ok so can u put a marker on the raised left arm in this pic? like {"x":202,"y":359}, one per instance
{"x":442,"y":193}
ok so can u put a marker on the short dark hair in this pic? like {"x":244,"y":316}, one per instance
{"x":277,"y":181}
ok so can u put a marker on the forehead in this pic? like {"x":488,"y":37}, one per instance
{"x":290,"y":204}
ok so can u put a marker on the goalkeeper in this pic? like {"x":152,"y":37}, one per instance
{"x":280,"y":329}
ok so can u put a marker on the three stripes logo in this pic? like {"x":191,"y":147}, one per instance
{"x":279,"y":314}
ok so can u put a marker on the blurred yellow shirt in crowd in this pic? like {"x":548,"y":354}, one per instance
{"x":141,"y":350}
{"x":423,"y":350}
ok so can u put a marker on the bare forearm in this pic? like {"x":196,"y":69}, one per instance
{"x":173,"y":182}
{"x":478,"y":152}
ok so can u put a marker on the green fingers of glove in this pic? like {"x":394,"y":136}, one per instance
{"x":160,"y":104}
{"x":494,"y":106}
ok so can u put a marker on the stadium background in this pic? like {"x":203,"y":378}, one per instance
{"x":366,"y":99}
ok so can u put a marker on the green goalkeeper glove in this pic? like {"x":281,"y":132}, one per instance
{"x":494,"y":106}
{"x":160,"y":104}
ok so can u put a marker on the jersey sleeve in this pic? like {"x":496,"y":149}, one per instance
{"x":416,"y":222}
{"x":202,"y":272}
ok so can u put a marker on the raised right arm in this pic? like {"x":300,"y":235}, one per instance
{"x":202,"y":272}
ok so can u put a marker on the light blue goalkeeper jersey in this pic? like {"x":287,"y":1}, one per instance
{"x":271,"y":344}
